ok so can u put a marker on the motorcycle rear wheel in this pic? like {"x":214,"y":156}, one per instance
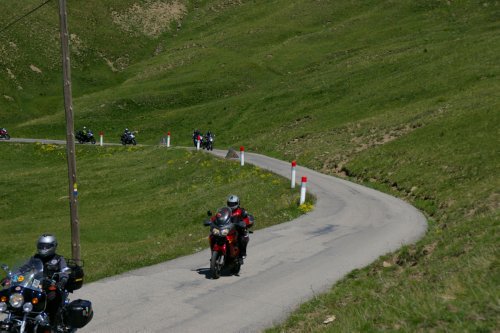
{"x":216,"y":264}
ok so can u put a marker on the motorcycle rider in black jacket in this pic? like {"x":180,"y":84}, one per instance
{"x":54,"y":269}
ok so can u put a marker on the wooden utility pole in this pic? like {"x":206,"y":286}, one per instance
{"x":70,"y":135}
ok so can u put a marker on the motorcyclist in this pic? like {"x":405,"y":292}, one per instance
{"x":196,"y":134}
{"x":209,"y":135}
{"x":241,"y":219}
{"x":54,"y":272}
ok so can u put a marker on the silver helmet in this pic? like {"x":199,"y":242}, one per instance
{"x":233,"y":202}
{"x":46,"y":245}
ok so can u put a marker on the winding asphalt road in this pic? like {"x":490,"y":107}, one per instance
{"x":287,"y":264}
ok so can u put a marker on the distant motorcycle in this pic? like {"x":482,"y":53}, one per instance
{"x":128,"y":138}
{"x":208,"y":143}
{"x":4,"y":134}
{"x":24,"y":299}
{"x":85,"y":137}
{"x":223,"y":241}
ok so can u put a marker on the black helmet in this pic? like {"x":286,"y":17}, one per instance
{"x":46,"y":245}
{"x":223,"y":216}
{"x":233,"y":202}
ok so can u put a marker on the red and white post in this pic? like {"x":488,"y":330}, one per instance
{"x":303,"y":190}
{"x":168,"y":139}
{"x":242,"y":156}
{"x":101,"y":138}
{"x":198,"y":142}
{"x":294,"y":166}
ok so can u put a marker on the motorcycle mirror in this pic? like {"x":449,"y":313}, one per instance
{"x":209,"y":213}
{"x":206,"y":223}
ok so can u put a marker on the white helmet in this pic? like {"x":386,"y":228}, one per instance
{"x":46,"y":245}
{"x":233,"y":202}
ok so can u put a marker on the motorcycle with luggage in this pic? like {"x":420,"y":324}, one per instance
{"x":23,"y":300}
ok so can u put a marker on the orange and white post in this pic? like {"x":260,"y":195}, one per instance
{"x":303,"y":190}
{"x":101,"y":138}
{"x":168,"y":139}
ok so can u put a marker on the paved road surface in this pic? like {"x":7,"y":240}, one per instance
{"x":287,"y":264}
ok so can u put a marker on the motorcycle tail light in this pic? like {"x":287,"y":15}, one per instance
{"x":34,"y":300}
{"x":3,"y":299}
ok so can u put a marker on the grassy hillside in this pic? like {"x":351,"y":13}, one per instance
{"x":137,"y":205}
{"x":399,"y":95}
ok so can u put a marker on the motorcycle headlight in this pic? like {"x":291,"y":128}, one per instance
{"x":27,"y":307}
{"x":215,"y":231}
{"x":224,"y":232}
{"x":3,"y":306}
{"x":16,"y":300}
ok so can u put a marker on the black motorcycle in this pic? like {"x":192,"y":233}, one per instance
{"x":23,"y":300}
{"x":208,"y":143}
{"x":82,"y":137}
{"x":128,"y":138}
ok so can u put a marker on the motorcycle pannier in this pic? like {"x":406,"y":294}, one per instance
{"x":75,"y":280}
{"x":78,"y":313}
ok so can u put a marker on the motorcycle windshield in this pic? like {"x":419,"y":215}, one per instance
{"x":223,"y":225}
{"x":28,"y":275}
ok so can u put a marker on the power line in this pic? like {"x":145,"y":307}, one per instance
{"x":20,"y":18}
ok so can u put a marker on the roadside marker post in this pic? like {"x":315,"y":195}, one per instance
{"x":303,"y":190}
{"x":168,"y":139}
{"x":198,"y":141}
{"x":242,"y":155}
{"x":101,"y":138}
{"x":294,"y":165}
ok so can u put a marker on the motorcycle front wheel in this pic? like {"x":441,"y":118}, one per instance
{"x":216,"y":264}
{"x":7,"y":137}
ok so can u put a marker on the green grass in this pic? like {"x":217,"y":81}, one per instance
{"x":137,"y":205}
{"x":398,"y":95}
